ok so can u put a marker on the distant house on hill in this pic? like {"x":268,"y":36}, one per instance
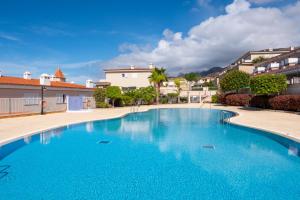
{"x":247,"y":61}
{"x":288,"y":64}
{"x":27,"y":95}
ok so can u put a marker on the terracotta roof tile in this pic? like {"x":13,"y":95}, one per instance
{"x":8,"y":80}
{"x":59,"y":74}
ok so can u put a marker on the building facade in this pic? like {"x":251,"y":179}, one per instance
{"x":29,"y":96}
{"x":246,"y":62}
{"x":288,"y":64}
{"x":131,"y":77}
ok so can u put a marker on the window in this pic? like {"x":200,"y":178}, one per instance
{"x":124,"y":75}
{"x":60,"y":98}
{"x":31,"y":99}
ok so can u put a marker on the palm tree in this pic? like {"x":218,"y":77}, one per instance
{"x":157,"y":77}
{"x":190,"y":77}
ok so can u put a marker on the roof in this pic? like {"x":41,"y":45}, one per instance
{"x":9,"y":80}
{"x":129,"y":69}
{"x":264,"y":51}
{"x":294,"y":53}
{"x":59,"y":74}
{"x":103,"y":83}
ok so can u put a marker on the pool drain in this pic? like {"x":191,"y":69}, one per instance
{"x":103,"y":142}
{"x":3,"y":170}
{"x":208,"y":146}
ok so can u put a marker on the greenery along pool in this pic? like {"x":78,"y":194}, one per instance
{"x":159,"y":154}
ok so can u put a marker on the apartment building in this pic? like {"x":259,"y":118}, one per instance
{"x":288,"y":64}
{"x":246,"y":62}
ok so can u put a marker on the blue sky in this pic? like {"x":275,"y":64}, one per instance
{"x":83,"y":37}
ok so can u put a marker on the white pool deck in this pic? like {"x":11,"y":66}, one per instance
{"x":278,"y":122}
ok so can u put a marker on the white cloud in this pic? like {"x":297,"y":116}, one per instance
{"x":9,"y":37}
{"x":238,"y":6}
{"x":217,"y":41}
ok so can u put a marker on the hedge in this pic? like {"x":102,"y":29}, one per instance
{"x":285,"y":102}
{"x":261,"y":101}
{"x":268,"y":84}
{"x":281,"y":102}
{"x":238,"y":99}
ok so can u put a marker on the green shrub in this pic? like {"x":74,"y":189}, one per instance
{"x":268,"y":84}
{"x":163,"y":99}
{"x":235,"y":80}
{"x":102,"y":105}
{"x":114,"y":93}
{"x":144,"y":95}
{"x":99,"y":94}
{"x":147,"y":94}
{"x":127,"y":100}
{"x":183,"y":99}
{"x":214,"y":98}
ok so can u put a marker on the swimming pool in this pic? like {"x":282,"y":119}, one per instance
{"x":158,"y":154}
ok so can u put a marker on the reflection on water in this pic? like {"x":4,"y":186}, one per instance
{"x":45,"y":137}
{"x":89,"y":127}
{"x":172,"y":130}
{"x":27,"y":139}
{"x":177,"y":131}
{"x":186,"y":131}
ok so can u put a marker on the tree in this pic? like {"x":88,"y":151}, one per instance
{"x":127,"y":100}
{"x":178,"y":86}
{"x":157,"y":77}
{"x":147,"y":94}
{"x":268,"y":84}
{"x":99,"y":95}
{"x":144,"y":95}
{"x":113,"y":92}
{"x":190,"y":77}
{"x":235,"y":80}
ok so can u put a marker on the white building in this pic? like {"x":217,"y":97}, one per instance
{"x":131,"y":77}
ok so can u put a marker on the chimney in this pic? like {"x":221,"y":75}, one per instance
{"x":89,"y":84}
{"x":27,"y":75}
{"x":292,"y":48}
{"x":45,"y":79}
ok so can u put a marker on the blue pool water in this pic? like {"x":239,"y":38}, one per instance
{"x":159,"y":154}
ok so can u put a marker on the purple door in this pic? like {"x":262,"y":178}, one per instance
{"x":75,"y":103}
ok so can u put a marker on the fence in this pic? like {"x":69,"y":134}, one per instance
{"x":23,"y":106}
